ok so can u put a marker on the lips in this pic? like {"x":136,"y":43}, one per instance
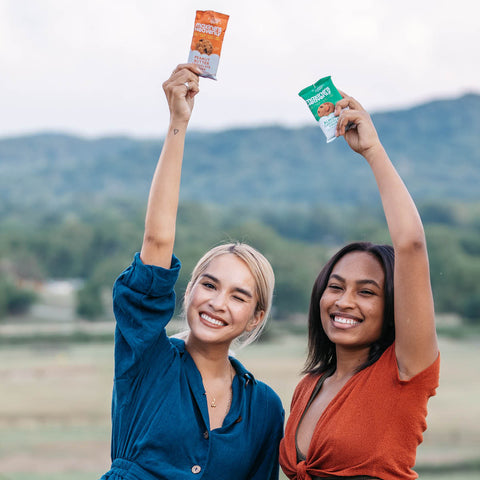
{"x":214,"y":322}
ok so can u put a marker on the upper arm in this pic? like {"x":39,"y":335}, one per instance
{"x":144,"y":302}
{"x":416,"y":344}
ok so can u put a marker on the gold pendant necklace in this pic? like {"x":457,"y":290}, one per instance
{"x":213,"y":402}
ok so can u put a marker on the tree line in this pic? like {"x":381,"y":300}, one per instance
{"x":96,"y":245}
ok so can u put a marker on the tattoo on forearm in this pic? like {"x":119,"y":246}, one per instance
{"x":175,"y":131}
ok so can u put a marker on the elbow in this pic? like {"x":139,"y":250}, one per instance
{"x":155,"y":242}
{"x":412,"y":244}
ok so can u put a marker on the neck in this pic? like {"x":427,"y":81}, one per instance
{"x":348,"y":361}
{"x":211,"y":361}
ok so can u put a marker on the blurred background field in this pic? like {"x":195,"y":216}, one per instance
{"x":55,"y":405}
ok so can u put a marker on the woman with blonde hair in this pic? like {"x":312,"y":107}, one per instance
{"x":182,"y":407}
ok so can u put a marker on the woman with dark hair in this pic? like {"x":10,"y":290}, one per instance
{"x":373,"y":358}
{"x":322,"y":354}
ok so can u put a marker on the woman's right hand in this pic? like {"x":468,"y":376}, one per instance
{"x":180,"y":90}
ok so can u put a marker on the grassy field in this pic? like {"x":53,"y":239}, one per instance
{"x":55,"y":407}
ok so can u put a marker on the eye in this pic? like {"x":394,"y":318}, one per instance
{"x":209,"y":285}
{"x":238,"y":298}
{"x":367,"y":292}
{"x":334,"y":286}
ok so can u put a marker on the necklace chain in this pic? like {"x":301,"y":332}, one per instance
{"x":213,"y":402}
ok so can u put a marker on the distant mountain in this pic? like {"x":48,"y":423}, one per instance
{"x":435,"y":146}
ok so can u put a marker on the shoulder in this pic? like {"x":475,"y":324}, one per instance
{"x":270,"y":411}
{"x":306,"y":384}
{"x":178,"y":343}
{"x":260,"y":391}
{"x":387,"y":365}
{"x":270,"y":395}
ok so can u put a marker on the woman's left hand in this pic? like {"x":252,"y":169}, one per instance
{"x":355,"y":124}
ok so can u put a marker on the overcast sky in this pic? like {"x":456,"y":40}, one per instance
{"x":95,"y":67}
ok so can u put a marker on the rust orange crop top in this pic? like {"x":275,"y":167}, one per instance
{"x":372,"y":427}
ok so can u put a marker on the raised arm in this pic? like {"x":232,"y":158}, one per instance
{"x":415,"y":336}
{"x":159,"y":236}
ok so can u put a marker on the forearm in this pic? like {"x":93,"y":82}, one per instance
{"x":160,"y":220}
{"x":403,"y":219}
{"x":180,"y":90}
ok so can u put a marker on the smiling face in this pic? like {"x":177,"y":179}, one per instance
{"x":222,"y":302}
{"x":352,"y":305}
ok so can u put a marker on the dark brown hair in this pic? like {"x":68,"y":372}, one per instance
{"x":321,"y":351}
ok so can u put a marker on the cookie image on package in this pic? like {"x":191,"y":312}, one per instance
{"x":204,"y":46}
{"x":325,"y":109}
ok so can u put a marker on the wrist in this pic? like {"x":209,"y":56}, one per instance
{"x":374,"y":152}
{"x":177,"y":125}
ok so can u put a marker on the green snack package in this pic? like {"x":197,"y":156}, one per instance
{"x":321,"y":98}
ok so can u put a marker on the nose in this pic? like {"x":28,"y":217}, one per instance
{"x":218,"y":301}
{"x":345,"y":300}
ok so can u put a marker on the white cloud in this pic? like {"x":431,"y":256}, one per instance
{"x":96,"y":67}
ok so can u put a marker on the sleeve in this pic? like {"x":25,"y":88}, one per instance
{"x":268,"y":466}
{"x":425,"y":381}
{"x":299,"y":391}
{"x":143,"y":303}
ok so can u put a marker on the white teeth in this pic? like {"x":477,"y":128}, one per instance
{"x":346,"y":321}
{"x":212,"y":320}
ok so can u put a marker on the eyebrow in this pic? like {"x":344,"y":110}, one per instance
{"x":237,"y":289}
{"x":366,"y":281}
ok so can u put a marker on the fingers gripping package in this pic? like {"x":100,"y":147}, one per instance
{"x":321,"y":98}
{"x":208,"y":33}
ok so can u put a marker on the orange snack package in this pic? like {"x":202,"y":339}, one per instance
{"x":208,"y":33}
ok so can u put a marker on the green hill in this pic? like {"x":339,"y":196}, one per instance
{"x":436,"y":147}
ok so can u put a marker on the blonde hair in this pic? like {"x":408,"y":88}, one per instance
{"x":263,"y":276}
